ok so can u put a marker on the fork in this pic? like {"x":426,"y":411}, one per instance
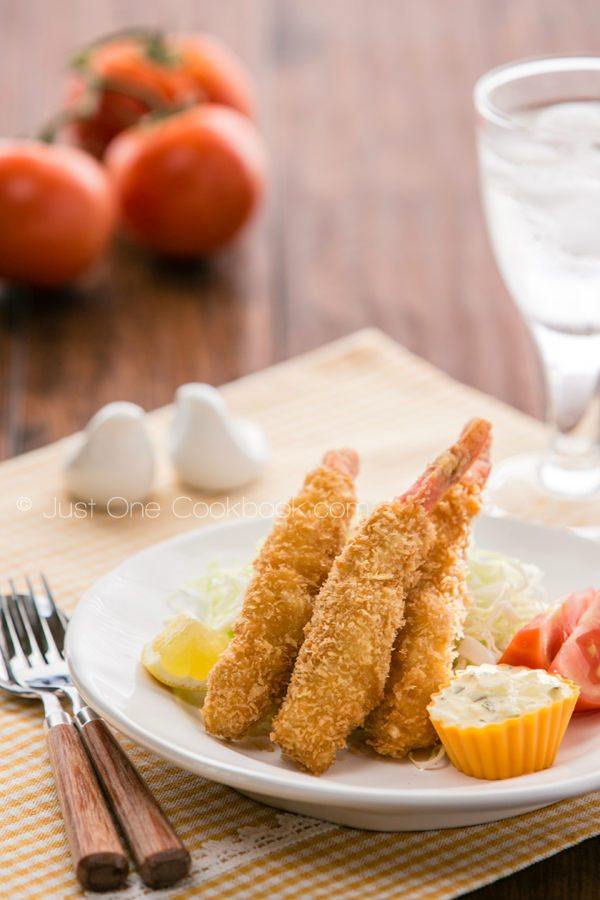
{"x":34,"y":631}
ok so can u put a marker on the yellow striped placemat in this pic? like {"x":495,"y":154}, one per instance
{"x":397,"y":411}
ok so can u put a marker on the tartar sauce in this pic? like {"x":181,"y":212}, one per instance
{"x":482,"y":694}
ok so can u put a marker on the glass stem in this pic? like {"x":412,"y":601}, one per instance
{"x":571,"y":465}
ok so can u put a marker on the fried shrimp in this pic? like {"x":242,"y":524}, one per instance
{"x":342,"y":666}
{"x":292,"y":565}
{"x":434,"y":614}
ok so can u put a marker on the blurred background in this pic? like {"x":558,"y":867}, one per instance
{"x":372,"y":215}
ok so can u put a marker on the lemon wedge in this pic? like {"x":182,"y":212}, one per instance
{"x":184,"y":652}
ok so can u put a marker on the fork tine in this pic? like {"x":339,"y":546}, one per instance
{"x":5,"y":663}
{"x":15,"y":651}
{"x":35,"y":651}
{"x":52,"y":651}
{"x":57,"y":614}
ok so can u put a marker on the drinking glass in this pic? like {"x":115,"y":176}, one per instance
{"x":538,"y":136}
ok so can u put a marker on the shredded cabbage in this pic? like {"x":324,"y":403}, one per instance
{"x":435,"y":759}
{"x":505,"y":594}
{"x":215,"y":597}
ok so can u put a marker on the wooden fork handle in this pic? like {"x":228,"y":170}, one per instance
{"x":159,"y":856}
{"x":98,"y":855}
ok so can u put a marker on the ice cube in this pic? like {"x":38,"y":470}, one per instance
{"x":576,"y":226}
{"x":582,"y":117}
{"x":521,"y":148}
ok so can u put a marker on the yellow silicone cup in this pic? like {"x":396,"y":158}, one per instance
{"x":516,"y":746}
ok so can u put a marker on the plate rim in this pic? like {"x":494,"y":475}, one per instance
{"x":275,"y":781}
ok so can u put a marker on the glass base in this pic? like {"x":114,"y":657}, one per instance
{"x":520,"y":486}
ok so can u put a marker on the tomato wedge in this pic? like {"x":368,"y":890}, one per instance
{"x":567,"y":641}
{"x":537,"y":643}
{"x":579,"y":657}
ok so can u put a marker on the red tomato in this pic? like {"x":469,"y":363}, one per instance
{"x":188,"y":183}
{"x":579,"y":657}
{"x":215,"y":72}
{"x":537,"y":643}
{"x":57,"y":212}
{"x":121,"y":79}
{"x":567,"y":641}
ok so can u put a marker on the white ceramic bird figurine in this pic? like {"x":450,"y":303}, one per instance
{"x":114,"y":458}
{"x":211,"y":450}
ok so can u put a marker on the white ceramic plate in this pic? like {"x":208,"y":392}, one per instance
{"x":129,"y":605}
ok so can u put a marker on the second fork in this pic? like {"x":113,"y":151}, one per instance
{"x":159,"y":855}
{"x":98,"y":855}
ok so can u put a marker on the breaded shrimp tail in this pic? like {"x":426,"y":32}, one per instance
{"x":340,"y":673}
{"x":292,"y":565}
{"x":434,"y":614}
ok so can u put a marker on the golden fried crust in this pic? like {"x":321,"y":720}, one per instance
{"x":425,"y":647}
{"x":344,"y":661}
{"x":289,"y":571}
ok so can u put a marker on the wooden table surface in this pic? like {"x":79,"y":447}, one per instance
{"x":373,"y":218}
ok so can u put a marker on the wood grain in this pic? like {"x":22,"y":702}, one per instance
{"x":373,"y":217}
{"x":99,"y":860}
{"x":159,"y":856}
